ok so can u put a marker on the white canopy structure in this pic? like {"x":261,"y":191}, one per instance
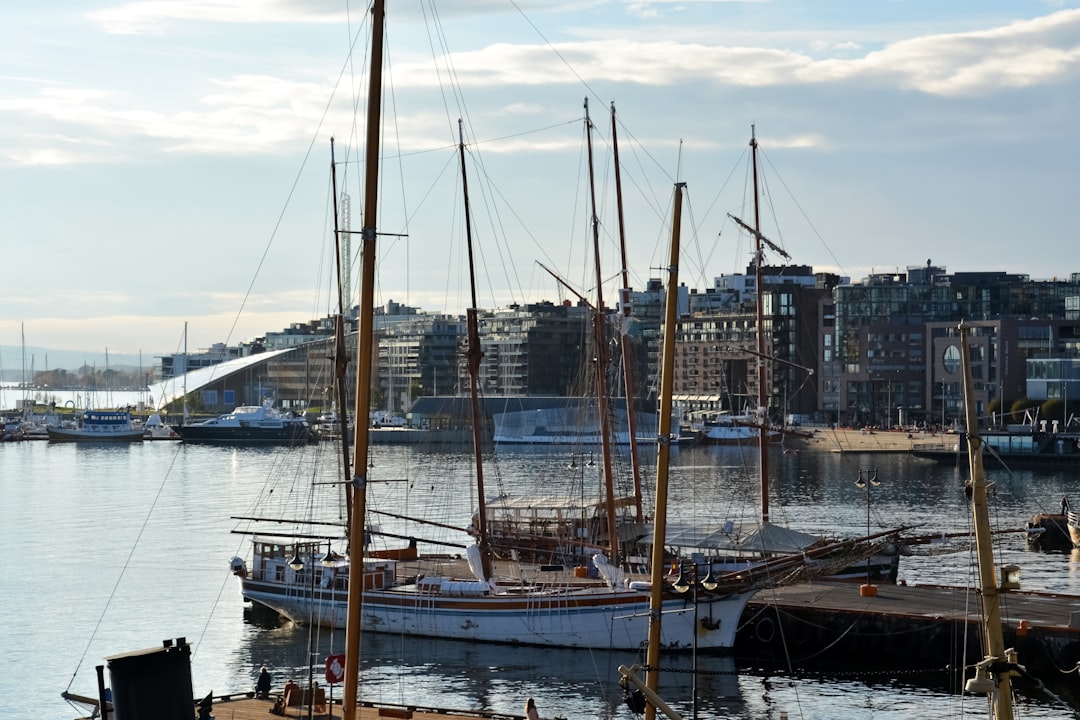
{"x":166,"y":391}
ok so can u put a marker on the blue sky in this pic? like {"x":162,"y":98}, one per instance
{"x":168,"y":162}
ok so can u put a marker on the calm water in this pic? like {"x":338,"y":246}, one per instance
{"x":117,"y":549}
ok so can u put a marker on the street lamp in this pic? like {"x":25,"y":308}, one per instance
{"x":869,"y":589}
{"x":684,"y":582}
{"x":297,"y":564}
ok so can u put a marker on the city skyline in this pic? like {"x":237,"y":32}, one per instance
{"x":167,"y":164}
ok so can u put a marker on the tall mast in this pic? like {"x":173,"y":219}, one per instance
{"x":364,"y":343}
{"x":600,"y":333}
{"x":185,"y":374}
{"x":341,"y":357}
{"x":663,"y":455}
{"x":624,"y":329}
{"x":997,"y":659}
{"x":473,"y":357}
{"x":761,"y":414}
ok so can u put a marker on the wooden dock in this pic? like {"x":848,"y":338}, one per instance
{"x":245,"y":707}
{"x":905,"y":626}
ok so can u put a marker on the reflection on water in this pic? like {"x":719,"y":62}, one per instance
{"x":116,"y":549}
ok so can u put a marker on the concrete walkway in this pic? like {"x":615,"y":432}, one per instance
{"x":849,"y":440}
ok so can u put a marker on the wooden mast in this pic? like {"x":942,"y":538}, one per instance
{"x":600,"y":333}
{"x":761,"y":413}
{"x":473,"y":357}
{"x":663,"y":455}
{"x":341,"y":356}
{"x":998,"y":661}
{"x":364,"y":344}
{"x":624,"y":330}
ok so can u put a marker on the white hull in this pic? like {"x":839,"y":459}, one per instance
{"x":62,"y":435}
{"x":731,"y":434}
{"x":596,"y":617}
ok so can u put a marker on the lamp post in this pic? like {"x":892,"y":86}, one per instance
{"x":943,"y":406}
{"x":888,"y":403}
{"x":683,"y":583}
{"x":869,"y":589}
{"x":297,"y":564}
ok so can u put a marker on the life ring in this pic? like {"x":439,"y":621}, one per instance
{"x":765,"y":630}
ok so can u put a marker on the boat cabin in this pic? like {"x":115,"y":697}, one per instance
{"x":272,"y":561}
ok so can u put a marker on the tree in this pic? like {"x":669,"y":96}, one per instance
{"x":1053,"y":409}
{"x":1019,"y":407}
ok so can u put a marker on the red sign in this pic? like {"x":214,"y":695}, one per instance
{"x":335,"y":668}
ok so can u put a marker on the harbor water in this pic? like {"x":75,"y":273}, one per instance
{"x":115,"y":549}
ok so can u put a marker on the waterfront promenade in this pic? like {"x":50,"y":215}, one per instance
{"x":844,"y":440}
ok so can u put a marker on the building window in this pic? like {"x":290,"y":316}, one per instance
{"x":951,"y":359}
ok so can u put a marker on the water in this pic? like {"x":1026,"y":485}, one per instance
{"x":113,"y":549}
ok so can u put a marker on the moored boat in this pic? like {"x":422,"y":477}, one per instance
{"x":250,"y":424}
{"x":722,"y":429}
{"x":1049,"y":532}
{"x":155,"y":429}
{"x":98,"y":426}
{"x":304,"y":581}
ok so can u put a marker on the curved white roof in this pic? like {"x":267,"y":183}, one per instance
{"x":166,"y":391}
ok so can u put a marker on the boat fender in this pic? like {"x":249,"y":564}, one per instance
{"x":765,"y":630}
{"x":640,"y":585}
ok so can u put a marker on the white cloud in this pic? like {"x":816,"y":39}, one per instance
{"x":247,"y":113}
{"x":1022,"y":53}
{"x":152,"y":18}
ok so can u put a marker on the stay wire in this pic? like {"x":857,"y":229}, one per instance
{"x":123,"y":570}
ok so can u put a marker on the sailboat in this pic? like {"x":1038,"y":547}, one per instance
{"x":570,"y":528}
{"x":302,"y":579}
{"x":733,"y":547}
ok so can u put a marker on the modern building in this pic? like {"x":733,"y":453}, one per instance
{"x":881,"y":351}
{"x":716,"y":343}
{"x":535,"y":349}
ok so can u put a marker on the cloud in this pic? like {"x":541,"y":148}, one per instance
{"x":153,"y":18}
{"x":252,"y":113}
{"x":1020,"y":54}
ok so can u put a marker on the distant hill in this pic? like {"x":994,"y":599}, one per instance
{"x":39,"y":359}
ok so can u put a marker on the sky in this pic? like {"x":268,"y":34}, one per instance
{"x":166,"y":164}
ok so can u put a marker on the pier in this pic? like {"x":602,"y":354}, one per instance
{"x":831,"y":624}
